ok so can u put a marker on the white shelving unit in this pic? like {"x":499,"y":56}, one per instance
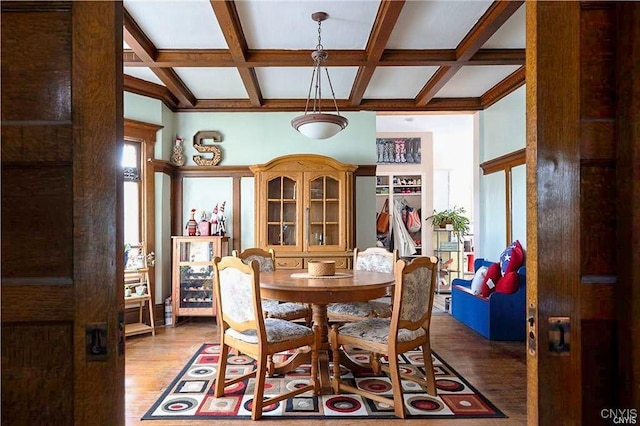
{"x":409,"y":187}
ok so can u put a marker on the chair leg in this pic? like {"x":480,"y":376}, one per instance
{"x":335,"y":348}
{"x":376,"y":365}
{"x":314,"y":360}
{"x":271,"y":366}
{"x":430,"y":376}
{"x":258,"y":392}
{"x":396,"y":384}
{"x":222,"y":369}
{"x":309,"y":318}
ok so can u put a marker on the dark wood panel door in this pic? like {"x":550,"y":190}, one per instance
{"x":62,"y":293}
{"x":583,"y":215}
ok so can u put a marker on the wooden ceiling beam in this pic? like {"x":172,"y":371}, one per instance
{"x":435,"y":83}
{"x":497,"y":14}
{"x":147,"y":52}
{"x":156,"y":91}
{"x":295,"y":105}
{"x":385,"y":21}
{"x":487,"y":25}
{"x":152,"y":90}
{"x":502,"y":89}
{"x":175,"y":85}
{"x":137,"y":39}
{"x":497,"y":57}
{"x":229,"y":21}
{"x":189,"y":58}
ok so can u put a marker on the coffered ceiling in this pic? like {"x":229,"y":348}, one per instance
{"x":255,"y":55}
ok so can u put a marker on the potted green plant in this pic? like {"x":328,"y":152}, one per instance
{"x":454,"y":217}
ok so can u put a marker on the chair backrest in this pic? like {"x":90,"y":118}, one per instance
{"x":414,"y":293}
{"x":266,"y":258}
{"x":237,"y":286}
{"x":375,"y":259}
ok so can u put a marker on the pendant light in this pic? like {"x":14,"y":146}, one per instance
{"x":315,"y":123}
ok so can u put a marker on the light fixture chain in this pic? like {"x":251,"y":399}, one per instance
{"x":306,"y":108}
{"x":333,"y":95}
{"x":318,"y":98}
{"x":317,"y":72}
{"x":319,"y":45}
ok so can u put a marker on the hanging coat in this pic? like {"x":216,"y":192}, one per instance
{"x":401,"y":238}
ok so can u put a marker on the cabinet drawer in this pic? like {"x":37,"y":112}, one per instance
{"x":288,"y":262}
{"x":341,"y":262}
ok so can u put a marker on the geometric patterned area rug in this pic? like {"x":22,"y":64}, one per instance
{"x":190,"y":394}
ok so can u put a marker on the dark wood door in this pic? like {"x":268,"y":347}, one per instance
{"x":583,"y":215}
{"x":62,"y":267}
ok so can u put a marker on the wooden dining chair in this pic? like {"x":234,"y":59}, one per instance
{"x":273,"y":308}
{"x":289,"y":311}
{"x":375,"y":259}
{"x":243,"y":327}
{"x":407,"y":329}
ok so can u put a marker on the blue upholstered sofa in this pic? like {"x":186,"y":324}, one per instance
{"x":498,"y":317}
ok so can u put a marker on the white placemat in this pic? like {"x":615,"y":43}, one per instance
{"x":307,"y":275}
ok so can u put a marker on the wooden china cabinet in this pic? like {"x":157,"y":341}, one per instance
{"x":303,"y":205}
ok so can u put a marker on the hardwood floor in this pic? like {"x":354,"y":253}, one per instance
{"x":497,"y":369}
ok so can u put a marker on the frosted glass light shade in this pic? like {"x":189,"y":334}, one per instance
{"x":319,"y":126}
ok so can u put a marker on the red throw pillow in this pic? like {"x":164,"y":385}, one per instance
{"x":508,"y":284}
{"x":511,"y":258}
{"x":490,"y":280}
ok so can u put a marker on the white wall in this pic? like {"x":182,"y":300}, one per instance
{"x":365,"y":223}
{"x":453,"y":142}
{"x":502,"y":131}
{"x":452,"y":137}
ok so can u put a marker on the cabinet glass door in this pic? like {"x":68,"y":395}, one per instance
{"x":324,"y":211}
{"x":281,"y":212}
{"x":196,"y":274}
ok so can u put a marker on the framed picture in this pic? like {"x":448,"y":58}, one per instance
{"x":398,"y":151}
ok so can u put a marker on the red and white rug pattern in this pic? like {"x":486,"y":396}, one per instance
{"x":190,"y":394}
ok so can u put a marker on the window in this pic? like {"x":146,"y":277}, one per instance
{"x":133,"y":191}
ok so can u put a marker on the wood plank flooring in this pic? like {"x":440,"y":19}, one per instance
{"x":497,"y":369}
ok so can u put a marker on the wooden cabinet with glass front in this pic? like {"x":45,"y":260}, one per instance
{"x":193,"y":293}
{"x":302,"y":209}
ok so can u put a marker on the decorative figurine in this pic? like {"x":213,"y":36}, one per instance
{"x":177,"y":157}
{"x":204,"y":226}
{"x":192,"y":225}
{"x":222,"y":221}
{"x":214,"y":221}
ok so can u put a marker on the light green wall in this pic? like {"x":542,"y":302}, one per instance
{"x":503,"y":126}
{"x":148,"y":110}
{"x":502,"y":131}
{"x":255,"y":138}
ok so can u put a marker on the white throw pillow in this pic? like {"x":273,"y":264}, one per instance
{"x":478,"y":278}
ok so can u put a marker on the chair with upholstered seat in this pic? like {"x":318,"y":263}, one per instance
{"x":243,"y":327}
{"x":274,"y":308}
{"x":407,"y":329}
{"x":375,"y":259}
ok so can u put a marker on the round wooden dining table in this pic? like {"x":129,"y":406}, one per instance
{"x":345,"y":286}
